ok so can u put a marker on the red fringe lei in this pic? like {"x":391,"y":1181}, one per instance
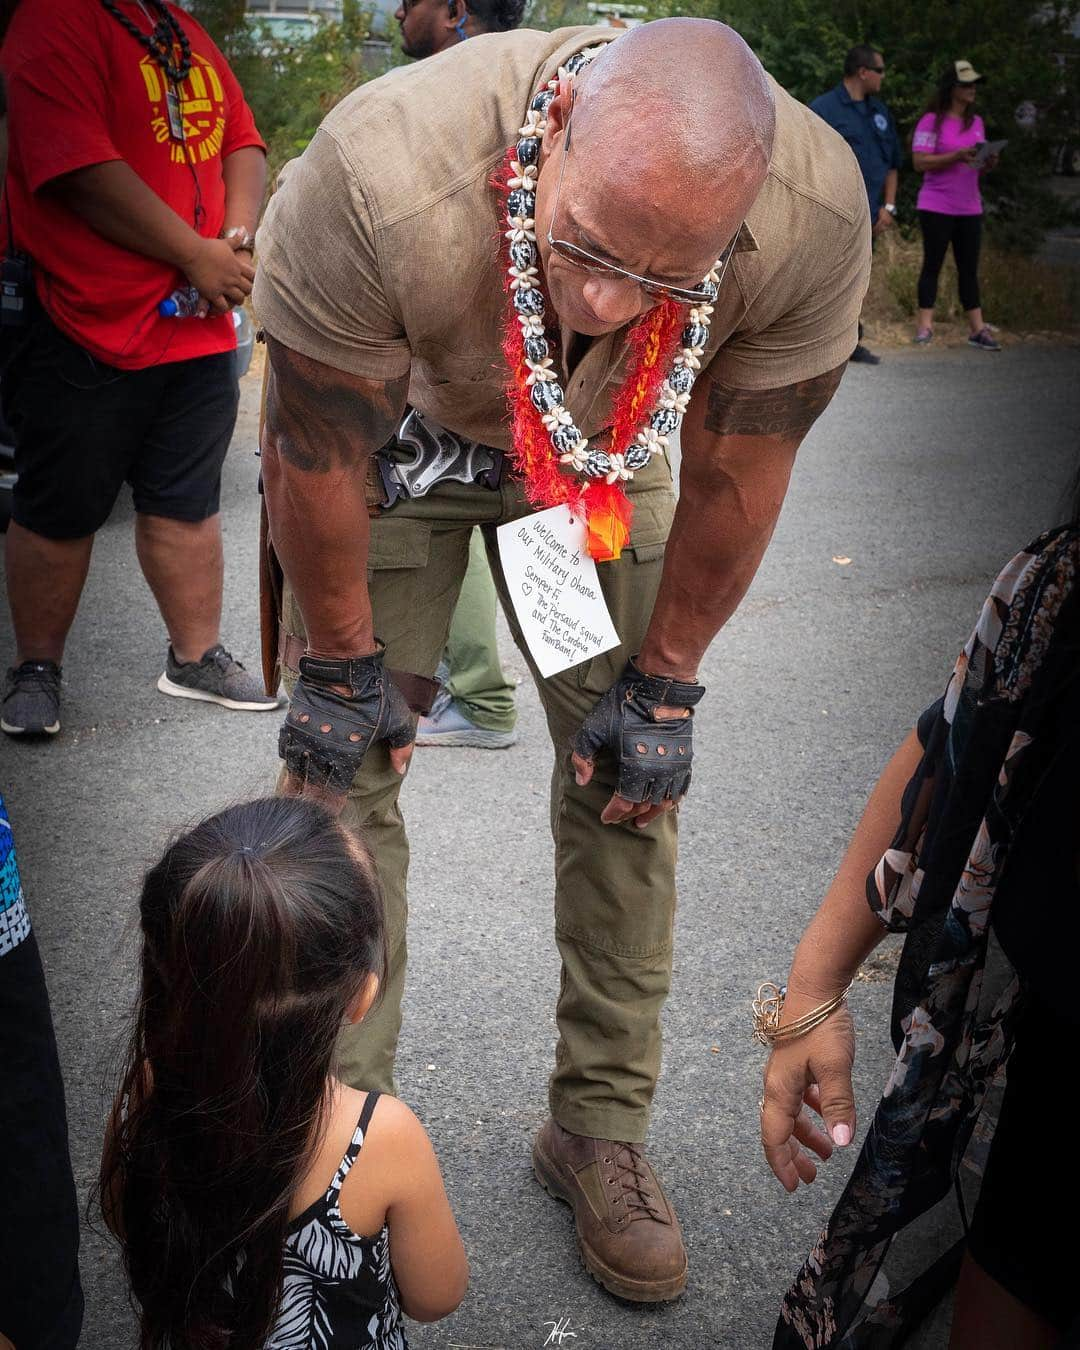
{"x":607,"y":510}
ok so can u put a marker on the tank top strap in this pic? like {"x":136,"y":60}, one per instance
{"x":353,"y":1151}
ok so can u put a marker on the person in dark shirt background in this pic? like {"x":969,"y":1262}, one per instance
{"x":854,"y":109}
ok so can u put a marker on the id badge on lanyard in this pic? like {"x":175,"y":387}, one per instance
{"x":175,"y":112}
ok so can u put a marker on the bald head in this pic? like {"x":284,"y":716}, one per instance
{"x":684,"y":102}
{"x":672,"y":133}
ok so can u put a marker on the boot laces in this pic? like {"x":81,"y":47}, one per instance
{"x":637,"y":1187}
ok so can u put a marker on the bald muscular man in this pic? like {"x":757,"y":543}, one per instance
{"x":669,"y":176}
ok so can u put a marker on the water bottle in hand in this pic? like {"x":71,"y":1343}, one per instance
{"x":182,"y":304}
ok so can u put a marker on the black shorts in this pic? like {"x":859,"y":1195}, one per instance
{"x":1023,"y":1231}
{"x":83,"y":428}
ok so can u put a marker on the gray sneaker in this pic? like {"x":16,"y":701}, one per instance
{"x":984,"y":340}
{"x":217,"y":678}
{"x":31,"y":704}
{"x":448,"y":725}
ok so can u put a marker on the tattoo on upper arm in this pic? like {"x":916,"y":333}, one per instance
{"x":319,"y":418}
{"x":788,"y":412}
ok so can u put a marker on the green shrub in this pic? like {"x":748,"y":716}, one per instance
{"x":1018,"y":292}
{"x":291,"y":84}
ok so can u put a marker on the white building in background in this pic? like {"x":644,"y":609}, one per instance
{"x":295,"y":18}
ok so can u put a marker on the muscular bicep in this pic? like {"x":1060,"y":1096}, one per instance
{"x":787,"y":413}
{"x":748,"y":437}
{"x":738,"y":448}
{"x":319,"y":419}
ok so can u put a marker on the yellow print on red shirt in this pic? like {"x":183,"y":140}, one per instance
{"x":202,"y":108}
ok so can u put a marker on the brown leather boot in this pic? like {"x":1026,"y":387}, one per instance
{"x":628,"y":1232}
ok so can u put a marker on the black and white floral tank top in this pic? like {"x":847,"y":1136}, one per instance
{"x":339,"y":1291}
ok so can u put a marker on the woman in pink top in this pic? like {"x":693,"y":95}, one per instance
{"x":944,"y":148}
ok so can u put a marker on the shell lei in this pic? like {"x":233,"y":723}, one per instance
{"x":545,"y":440}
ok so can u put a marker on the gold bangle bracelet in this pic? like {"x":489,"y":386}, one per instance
{"x":768,"y":1008}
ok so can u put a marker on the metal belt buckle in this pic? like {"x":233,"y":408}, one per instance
{"x":425,"y":454}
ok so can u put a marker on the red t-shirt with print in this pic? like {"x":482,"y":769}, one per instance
{"x":83,"y":91}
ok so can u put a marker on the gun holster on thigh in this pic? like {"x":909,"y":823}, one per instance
{"x":424,"y":454}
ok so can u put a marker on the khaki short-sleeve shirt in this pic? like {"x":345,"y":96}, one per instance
{"x":380,"y":252}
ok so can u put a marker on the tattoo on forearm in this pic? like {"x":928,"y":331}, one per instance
{"x":788,"y":412}
{"x":318,"y":418}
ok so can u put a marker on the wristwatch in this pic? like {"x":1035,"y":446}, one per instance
{"x":891,"y":208}
{"x":241,"y":232}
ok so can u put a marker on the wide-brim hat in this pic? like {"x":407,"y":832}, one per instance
{"x":966,"y":73}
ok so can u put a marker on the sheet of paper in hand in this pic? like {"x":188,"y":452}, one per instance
{"x":986,"y":150}
{"x":556,"y":593}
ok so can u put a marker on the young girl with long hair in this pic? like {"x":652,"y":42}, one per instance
{"x":260,"y":1202}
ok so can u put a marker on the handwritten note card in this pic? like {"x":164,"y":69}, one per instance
{"x":555,"y":589}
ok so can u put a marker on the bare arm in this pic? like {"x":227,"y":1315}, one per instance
{"x":845,"y":930}
{"x":922,"y":162}
{"x":885,"y":218}
{"x":816,"y":1068}
{"x":738,"y":450}
{"x":244,"y":172}
{"x":426,"y":1252}
{"x":114,"y":201}
{"x":321,"y":427}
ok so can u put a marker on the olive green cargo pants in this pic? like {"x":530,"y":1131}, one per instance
{"x":614,"y":884}
{"x":477,"y":682}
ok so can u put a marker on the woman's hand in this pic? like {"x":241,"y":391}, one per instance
{"x":968,"y":155}
{"x":811,"y":1071}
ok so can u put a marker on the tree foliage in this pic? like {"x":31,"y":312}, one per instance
{"x":1025,"y":49}
{"x":291,"y":84}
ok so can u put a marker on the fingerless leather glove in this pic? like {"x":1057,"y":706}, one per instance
{"x":653,"y":756}
{"x":326,"y":734}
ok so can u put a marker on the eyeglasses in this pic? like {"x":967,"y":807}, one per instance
{"x":588,"y":262}
{"x":875,"y":70}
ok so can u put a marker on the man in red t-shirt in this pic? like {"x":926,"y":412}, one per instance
{"x":135,"y":174}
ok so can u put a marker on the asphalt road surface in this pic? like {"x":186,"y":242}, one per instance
{"x":923,"y":477}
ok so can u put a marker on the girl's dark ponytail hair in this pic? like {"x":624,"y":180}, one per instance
{"x":260,"y":927}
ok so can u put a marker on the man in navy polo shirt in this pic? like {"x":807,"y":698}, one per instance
{"x":854,"y":110}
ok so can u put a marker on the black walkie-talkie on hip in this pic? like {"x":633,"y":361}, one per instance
{"x":16,"y":280}
{"x":16,"y":286}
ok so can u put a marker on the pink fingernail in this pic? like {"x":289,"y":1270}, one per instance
{"x":841,"y":1135}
